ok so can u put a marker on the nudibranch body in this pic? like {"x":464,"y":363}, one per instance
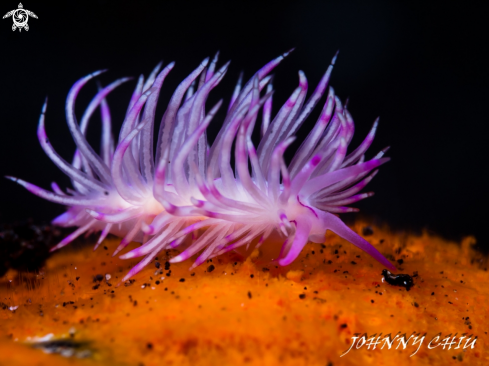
{"x":160,"y":199}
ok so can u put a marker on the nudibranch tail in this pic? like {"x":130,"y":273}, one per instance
{"x":160,"y":198}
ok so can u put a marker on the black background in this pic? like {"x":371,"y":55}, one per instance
{"x":423,"y":67}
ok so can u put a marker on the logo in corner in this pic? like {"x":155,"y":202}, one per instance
{"x":20,"y":17}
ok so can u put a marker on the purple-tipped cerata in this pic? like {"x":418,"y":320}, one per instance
{"x":160,"y":199}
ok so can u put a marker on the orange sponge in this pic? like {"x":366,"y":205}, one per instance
{"x":233,"y":311}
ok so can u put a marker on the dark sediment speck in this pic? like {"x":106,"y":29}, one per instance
{"x":367,"y":230}
{"x":98,"y":278}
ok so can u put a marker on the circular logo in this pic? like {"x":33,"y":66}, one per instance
{"x":20,"y":18}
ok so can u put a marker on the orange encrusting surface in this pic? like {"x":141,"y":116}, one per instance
{"x":251,"y":312}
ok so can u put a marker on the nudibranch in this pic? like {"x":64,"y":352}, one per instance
{"x":159,"y":198}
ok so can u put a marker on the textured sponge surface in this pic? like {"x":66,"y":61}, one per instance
{"x":248,"y":310}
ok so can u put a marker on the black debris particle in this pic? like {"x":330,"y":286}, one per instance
{"x":302,"y":296}
{"x":400,"y":261}
{"x":211,"y":268}
{"x":343,"y":325}
{"x":96,"y":286}
{"x":98,"y":278}
{"x":149,"y":345}
{"x":182,"y":279}
{"x":129,"y":282}
{"x":367,"y":231}
{"x":157,"y":264}
{"x":249,"y":295}
{"x":403,"y":280}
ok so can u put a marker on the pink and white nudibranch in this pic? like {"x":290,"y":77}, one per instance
{"x":161,"y":198}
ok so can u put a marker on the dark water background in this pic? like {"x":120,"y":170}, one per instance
{"x":422,"y":66}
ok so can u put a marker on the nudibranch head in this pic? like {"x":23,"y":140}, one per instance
{"x":161,"y":197}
